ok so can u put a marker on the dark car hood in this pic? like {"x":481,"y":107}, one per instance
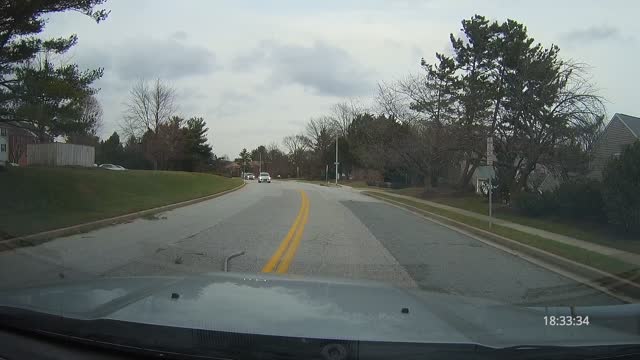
{"x":322,"y":309}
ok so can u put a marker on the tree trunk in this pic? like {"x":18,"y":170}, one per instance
{"x":524,"y":179}
{"x":470,"y":168}
{"x":433,"y":178}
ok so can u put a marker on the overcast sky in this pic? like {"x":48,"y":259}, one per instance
{"x":257,"y":72}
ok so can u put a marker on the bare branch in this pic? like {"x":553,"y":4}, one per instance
{"x":343,"y":114}
{"x":148,"y":107}
{"x":91,"y":116}
{"x":295,"y":143}
{"x":394,"y":103}
{"x":320,"y":132}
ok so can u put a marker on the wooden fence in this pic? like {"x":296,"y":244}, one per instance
{"x":60,"y":154}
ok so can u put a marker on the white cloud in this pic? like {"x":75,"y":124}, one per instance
{"x":593,"y":33}
{"x":167,"y":58}
{"x":318,"y":67}
{"x":179,"y":36}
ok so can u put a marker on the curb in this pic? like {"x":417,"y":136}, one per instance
{"x":320,"y":184}
{"x":610,"y":284}
{"x":39,"y":238}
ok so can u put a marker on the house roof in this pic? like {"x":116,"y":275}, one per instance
{"x":632,"y":123}
{"x":19,"y":128}
{"x":485,"y":172}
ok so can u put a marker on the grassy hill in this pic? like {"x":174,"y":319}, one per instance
{"x":38,"y":199}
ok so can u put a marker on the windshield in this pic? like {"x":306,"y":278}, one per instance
{"x":468,"y":155}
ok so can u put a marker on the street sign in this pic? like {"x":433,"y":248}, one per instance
{"x":490,"y":155}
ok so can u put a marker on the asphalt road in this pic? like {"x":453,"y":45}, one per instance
{"x":303,"y":230}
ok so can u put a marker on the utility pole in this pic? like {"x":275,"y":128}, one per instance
{"x":336,"y":160}
{"x":260,"y":161}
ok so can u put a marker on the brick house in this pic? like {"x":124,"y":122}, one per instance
{"x":14,"y":138}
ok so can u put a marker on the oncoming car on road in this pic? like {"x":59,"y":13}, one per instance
{"x":249,"y":177}
{"x":112,"y":167}
{"x":264,"y":177}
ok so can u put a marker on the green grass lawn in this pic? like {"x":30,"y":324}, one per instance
{"x":410,"y":191}
{"x":584,"y":230}
{"x":39,"y":199}
{"x":468,"y":202}
{"x":588,"y":231}
{"x":317,"y":182}
{"x":354,"y":183}
{"x":599,"y":261}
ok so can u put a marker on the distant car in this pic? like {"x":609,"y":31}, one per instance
{"x":250,"y":177}
{"x":111,"y":167}
{"x":264,"y":177}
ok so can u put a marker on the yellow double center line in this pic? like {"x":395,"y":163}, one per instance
{"x":285,"y":253}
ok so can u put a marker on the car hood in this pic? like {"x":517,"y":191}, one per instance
{"x":320,"y":308}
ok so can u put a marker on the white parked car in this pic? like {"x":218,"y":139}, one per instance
{"x":264,"y":177}
{"x":111,"y":167}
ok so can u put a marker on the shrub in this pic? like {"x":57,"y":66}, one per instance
{"x":580,"y":199}
{"x":621,"y":182}
{"x":533,"y":204}
{"x":385,"y":184}
{"x":398,"y":185}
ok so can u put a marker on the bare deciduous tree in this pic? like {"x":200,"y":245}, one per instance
{"x":91,"y":115}
{"x":320,"y":133}
{"x":294,"y":143}
{"x":394,"y":103}
{"x":89,"y":123}
{"x":578,"y":102}
{"x":149,"y":106}
{"x":343,"y":114}
{"x":273,"y":146}
{"x":296,"y":146}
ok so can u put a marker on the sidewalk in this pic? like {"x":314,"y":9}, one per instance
{"x":630,"y":258}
